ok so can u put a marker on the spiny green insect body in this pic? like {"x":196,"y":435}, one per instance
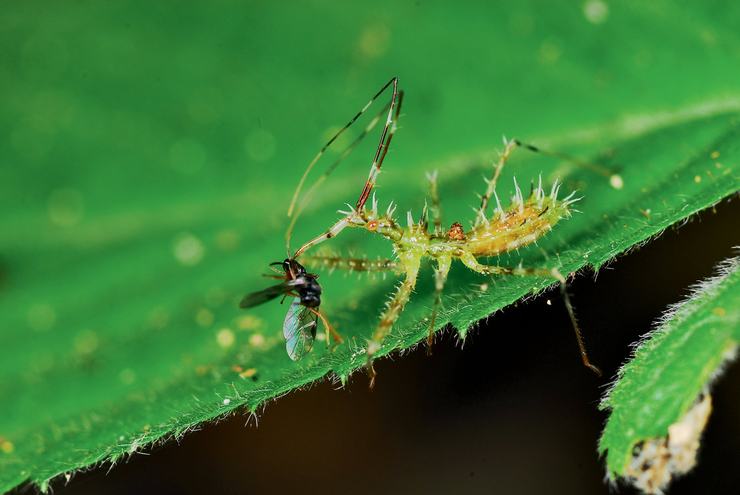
{"x":522,"y":223}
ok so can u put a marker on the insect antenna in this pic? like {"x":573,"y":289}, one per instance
{"x":308,"y":195}
{"x":385,"y":141}
{"x":615,"y":180}
{"x":383,"y":144}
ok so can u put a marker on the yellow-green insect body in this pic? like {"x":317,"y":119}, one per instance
{"x":523,"y":222}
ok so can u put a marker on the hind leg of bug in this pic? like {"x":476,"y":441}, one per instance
{"x":392,"y":311}
{"x":471,"y":262}
{"x":574,"y":323}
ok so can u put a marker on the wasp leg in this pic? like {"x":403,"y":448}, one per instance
{"x":440,"y":277}
{"x":392,"y":312}
{"x":327,"y":327}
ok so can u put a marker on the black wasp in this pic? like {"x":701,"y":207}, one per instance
{"x":299,"y":327}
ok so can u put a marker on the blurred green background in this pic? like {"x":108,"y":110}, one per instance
{"x":139,"y":139}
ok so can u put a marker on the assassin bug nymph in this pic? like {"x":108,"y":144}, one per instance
{"x":524,"y":221}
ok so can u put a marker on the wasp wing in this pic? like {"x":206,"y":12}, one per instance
{"x":264,"y":295}
{"x":299,"y":330}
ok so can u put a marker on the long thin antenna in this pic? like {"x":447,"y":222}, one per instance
{"x":615,"y":180}
{"x":298,"y":209}
{"x":296,"y":194}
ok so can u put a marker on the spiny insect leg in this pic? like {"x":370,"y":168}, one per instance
{"x":471,"y":262}
{"x":327,"y":327}
{"x":481,"y":217}
{"x":335,"y":229}
{"x":440,"y":277}
{"x":385,"y":142}
{"x":351,"y":264}
{"x":435,"y":210}
{"x":392,"y":312}
{"x":574,"y":321}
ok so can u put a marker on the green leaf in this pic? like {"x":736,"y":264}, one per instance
{"x":672,"y":366}
{"x":149,"y":155}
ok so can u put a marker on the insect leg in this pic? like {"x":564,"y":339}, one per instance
{"x":351,"y":264}
{"x":472,"y":263}
{"x":332,"y":232}
{"x":392,"y":312}
{"x":327,"y":327}
{"x":574,"y":321}
{"x":481,"y":217}
{"x":440,"y":277}
{"x":435,"y":210}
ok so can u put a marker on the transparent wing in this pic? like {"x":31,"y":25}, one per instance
{"x":299,"y":330}
{"x":264,"y":295}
